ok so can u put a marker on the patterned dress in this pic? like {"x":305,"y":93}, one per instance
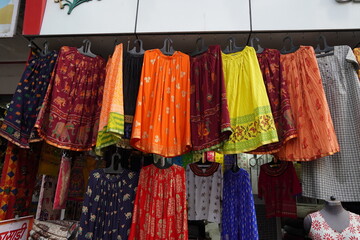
{"x":338,"y":175}
{"x":279,"y":98}
{"x":160,"y":205}
{"x":18,"y":125}
{"x":316,"y":135}
{"x":108,"y":206}
{"x":238,"y":214}
{"x":250,"y":112}
{"x":69,"y":116}
{"x":204,"y":192}
{"x":210,"y":121}
{"x":162,"y":118}
{"x":320,"y":229}
{"x":357,"y":55}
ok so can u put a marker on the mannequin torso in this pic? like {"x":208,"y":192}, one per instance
{"x":334,"y":215}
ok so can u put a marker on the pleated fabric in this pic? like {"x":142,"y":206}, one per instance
{"x":316,"y":134}
{"x":210,"y":121}
{"x":108,"y":205}
{"x":162,"y":118}
{"x":69,"y":116}
{"x":160,"y":205}
{"x":131,"y":82}
{"x":18,"y":124}
{"x":111,"y":126}
{"x":250,"y":112}
{"x":338,"y":175}
{"x":279,"y":98}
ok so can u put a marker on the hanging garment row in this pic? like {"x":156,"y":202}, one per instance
{"x":168,"y":103}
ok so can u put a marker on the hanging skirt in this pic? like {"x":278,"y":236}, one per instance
{"x":69,"y":117}
{"x":162,"y":118}
{"x":131,"y":81}
{"x":316,"y":134}
{"x":18,"y":125}
{"x":210,"y":121}
{"x":279,"y":98}
{"x":111,"y":125}
{"x":250,"y":113}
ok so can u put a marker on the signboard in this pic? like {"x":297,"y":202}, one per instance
{"x":8,"y":17}
{"x":16,"y":229}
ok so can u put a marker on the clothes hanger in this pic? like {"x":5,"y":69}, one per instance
{"x":231,"y":47}
{"x":292,"y":49}
{"x":326,"y":48}
{"x":235,"y":168}
{"x":258,"y":48}
{"x":45,"y":50}
{"x":85,"y":49}
{"x":167,"y":48}
{"x":202,"y":48}
{"x":133,"y":50}
{"x":162,"y":162}
{"x":203,"y":162}
{"x":111,"y":169}
{"x":274,"y":162}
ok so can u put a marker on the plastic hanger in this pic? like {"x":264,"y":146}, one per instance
{"x":235,"y":167}
{"x":326,"y":48}
{"x":201,"y":49}
{"x":45,"y":50}
{"x":162,"y":162}
{"x":204,"y":162}
{"x":274,"y":162}
{"x":85,"y":49}
{"x":258,"y":48}
{"x":111,"y":169}
{"x":292,"y":49}
{"x":168,"y":49}
{"x":231,"y":47}
{"x":133,"y":50}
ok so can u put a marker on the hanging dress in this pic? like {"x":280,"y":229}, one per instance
{"x":69,"y":116}
{"x":18,"y":124}
{"x":131,"y":82}
{"x":316,"y":134}
{"x":279,"y":99}
{"x":357,"y":55}
{"x":279,"y":186}
{"x":210,"y":121}
{"x":250,"y":112}
{"x":162,"y":118}
{"x":204,"y":192}
{"x":111,"y":125}
{"x":238,"y":214}
{"x":338,"y":175}
{"x":108,"y":205}
{"x":160,"y":205}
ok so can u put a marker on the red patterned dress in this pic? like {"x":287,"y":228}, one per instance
{"x":160,"y":205}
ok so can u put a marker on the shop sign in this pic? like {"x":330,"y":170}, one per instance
{"x":8,"y":17}
{"x":16,"y":229}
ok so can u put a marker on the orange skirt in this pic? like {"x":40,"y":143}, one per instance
{"x":316,"y":134}
{"x":162,"y":118}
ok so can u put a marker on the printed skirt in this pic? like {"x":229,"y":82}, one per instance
{"x":250,"y":112}
{"x":316,"y":134}
{"x":210,"y":121}
{"x":18,"y":125}
{"x":69,"y":117}
{"x":162,"y":118}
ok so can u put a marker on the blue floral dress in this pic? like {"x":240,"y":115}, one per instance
{"x":108,"y":205}
{"x":238,"y":215}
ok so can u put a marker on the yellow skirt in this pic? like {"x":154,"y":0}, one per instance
{"x":250,"y":112}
